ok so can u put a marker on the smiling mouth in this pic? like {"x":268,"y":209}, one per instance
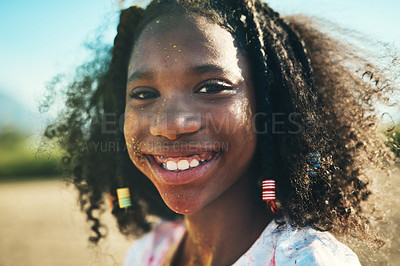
{"x":183,"y":163}
{"x":174,"y":167}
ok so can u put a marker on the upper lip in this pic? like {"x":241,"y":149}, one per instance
{"x":177,"y":150}
{"x":177,"y":153}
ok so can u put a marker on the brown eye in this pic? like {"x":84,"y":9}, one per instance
{"x":144,"y":94}
{"x":214,"y":87}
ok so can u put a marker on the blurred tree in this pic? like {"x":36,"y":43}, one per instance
{"x":20,"y":158}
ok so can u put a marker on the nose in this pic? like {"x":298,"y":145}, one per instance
{"x":173,"y":123}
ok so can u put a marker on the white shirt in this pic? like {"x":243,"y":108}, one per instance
{"x":275,"y":246}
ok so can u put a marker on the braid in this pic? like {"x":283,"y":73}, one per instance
{"x":279,"y":70}
{"x":262,"y":79}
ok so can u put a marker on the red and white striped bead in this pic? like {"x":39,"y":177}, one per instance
{"x":268,"y":187}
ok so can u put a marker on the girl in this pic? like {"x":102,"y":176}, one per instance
{"x":201,"y":103}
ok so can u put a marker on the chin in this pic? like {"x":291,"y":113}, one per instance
{"x":183,"y":203}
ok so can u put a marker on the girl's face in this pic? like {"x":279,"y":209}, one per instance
{"x":189,"y":109}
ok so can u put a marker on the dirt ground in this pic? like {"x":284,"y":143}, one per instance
{"x":40,"y":224}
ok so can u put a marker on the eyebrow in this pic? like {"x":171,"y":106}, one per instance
{"x":141,"y":75}
{"x":208,"y":68}
{"x":196,"y":70}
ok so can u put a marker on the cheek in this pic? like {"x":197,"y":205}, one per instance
{"x":242,"y":113}
{"x":233,"y":121}
{"x":132,"y":138}
{"x":243,"y":137}
{"x":130,"y":123}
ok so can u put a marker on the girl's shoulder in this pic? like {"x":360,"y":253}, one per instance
{"x":308,"y":246}
{"x":157,"y":245}
{"x":285,"y":245}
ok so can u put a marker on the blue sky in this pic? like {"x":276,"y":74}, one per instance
{"x":42,"y":38}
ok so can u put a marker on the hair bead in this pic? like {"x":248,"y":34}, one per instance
{"x":124,"y":197}
{"x":268,"y":194}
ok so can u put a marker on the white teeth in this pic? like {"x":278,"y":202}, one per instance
{"x":194,"y":163}
{"x":172,"y":166}
{"x":183,"y":165}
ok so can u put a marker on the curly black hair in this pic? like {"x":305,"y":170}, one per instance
{"x":325,"y":109}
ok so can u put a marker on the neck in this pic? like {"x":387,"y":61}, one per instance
{"x":225,"y":229}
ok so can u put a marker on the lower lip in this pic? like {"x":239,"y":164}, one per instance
{"x":183,"y":177}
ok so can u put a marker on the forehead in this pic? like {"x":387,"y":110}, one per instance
{"x":172,"y":40}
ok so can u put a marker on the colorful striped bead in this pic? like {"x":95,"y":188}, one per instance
{"x":124,"y":197}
